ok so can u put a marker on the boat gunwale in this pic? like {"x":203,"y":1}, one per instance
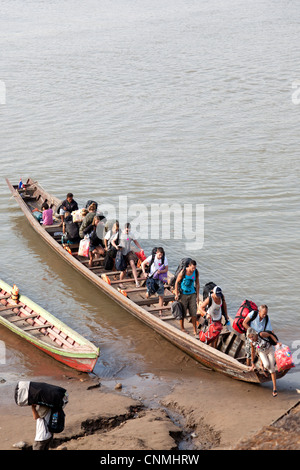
{"x":85,"y":348}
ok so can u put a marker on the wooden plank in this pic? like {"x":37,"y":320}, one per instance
{"x":229,"y":342}
{"x":238,"y":349}
{"x":24,"y":318}
{"x":165,"y":307}
{"x":9,"y":307}
{"x":127,"y":280}
{"x":128,"y":270}
{"x":38,"y":327}
{"x":136,"y":289}
{"x":154,"y":300}
{"x":64,"y":341}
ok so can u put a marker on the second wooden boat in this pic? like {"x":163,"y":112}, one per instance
{"x":43,"y":330}
{"x":228,"y":357}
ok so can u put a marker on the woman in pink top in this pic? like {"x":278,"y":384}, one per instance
{"x":47,"y":214}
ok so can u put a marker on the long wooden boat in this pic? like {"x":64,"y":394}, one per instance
{"x":49,"y":334}
{"x":228,"y":357}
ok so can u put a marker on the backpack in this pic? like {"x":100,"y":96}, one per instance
{"x":72,"y":230}
{"x":177,"y":310}
{"x":108,"y":262}
{"x":121,"y":264}
{"x":246,"y":307}
{"x":207,"y":289}
{"x":182,"y":265}
{"x":57,"y":421}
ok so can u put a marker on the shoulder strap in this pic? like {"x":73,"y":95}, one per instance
{"x":209,"y":301}
{"x":254,"y":315}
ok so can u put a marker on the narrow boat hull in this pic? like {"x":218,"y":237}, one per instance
{"x":44,"y":331}
{"x":213,"y":358}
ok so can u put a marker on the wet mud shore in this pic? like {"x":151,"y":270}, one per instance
{"x":209,"y":418}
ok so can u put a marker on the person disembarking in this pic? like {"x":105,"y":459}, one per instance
{"x":158,"y":274}
{"x":188,"y":283}
{"x":262,"y":343}
{"x":259,"y":321}
{"x":213,"y":307}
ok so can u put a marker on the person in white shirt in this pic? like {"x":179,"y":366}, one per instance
{"x":43,"y":436}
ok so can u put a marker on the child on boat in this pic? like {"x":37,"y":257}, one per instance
{"x":45,"y":215}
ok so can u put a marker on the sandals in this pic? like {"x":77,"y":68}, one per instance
{"x":274,"y":393}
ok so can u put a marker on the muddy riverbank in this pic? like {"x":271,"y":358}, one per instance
{"x":99,"y":417}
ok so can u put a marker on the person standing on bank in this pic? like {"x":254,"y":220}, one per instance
{"x":188,"y":283}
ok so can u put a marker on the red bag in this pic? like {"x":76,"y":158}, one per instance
{"x":283,"y":358}
{"x":141,"y":255}
{"x":246,"y":307}
{"x":211,"y":333}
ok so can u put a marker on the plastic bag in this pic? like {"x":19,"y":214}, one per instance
{"x":77,"y":216}
{"x":84,"y":247}
{"x":141,"y":255}
{"x":283,"y":358}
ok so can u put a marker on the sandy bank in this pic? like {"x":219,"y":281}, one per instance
{"x":211,"y":417}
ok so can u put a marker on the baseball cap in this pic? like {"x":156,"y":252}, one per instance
{"x":218,"y":291}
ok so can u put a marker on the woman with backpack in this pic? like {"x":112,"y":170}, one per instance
{"x":188,"y":283}
{"x":158,"y":274}
{"x":212,"y":308}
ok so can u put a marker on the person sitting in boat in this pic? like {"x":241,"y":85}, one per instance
{"x":263,"y":343}
{"x":125,"y":239}
{"x":95,"y":231}
{"x":260,"y":322}
{"x":188,"y":283}
{"x":45,"y":215}
{"x":70,"y":229}
{"x":158,"y":274}
{"x":212,"y":309}
{"x":68,"y":205}
{"x":88,"y":219}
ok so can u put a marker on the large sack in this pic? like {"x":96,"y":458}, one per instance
{"x":39,"y":393}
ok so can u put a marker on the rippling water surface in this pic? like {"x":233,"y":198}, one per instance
{"x":187,"y":102}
